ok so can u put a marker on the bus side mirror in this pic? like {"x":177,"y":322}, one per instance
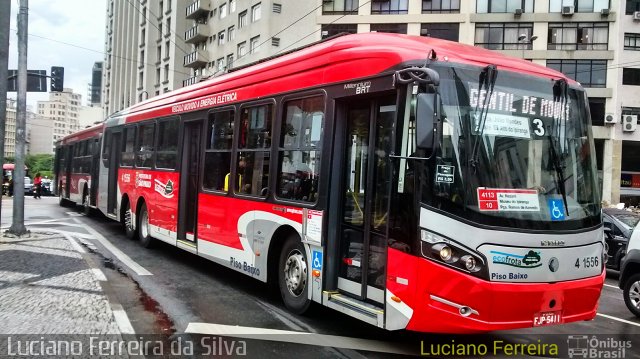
{"x":425,"y":120}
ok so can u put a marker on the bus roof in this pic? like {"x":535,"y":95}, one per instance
{"x":90,"y":132}
{"x":343,"y":58}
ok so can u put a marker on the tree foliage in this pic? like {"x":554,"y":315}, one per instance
{"x":42,"y":163}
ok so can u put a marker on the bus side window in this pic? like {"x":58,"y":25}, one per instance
{"x":252,"y":167}
{"x":167,"y":147}
{"x":217,"y":169}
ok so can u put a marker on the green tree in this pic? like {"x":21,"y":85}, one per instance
{"x":42,"y":163}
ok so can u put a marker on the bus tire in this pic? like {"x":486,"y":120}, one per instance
{"x":127,"y":221}
{"x":292,"y":275}
{"x":631,"y":294}
{"x":143,"y":227}
{"x":63,"y":202}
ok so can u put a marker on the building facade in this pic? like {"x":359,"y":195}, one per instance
{"x":10,"y":130}
{"x":143,"y":51}
{"x":95,"y":87}
{"x":56,"y":118}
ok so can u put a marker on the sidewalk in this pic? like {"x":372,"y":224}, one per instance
{"x":47,"y":287}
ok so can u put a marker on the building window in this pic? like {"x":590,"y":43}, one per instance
{"x":232,"y":6}
{"x":231,"y":33}
{"x":221,"y":37}
{"x":277,"y":8}
{"x":329,"y":30}
{"x":242,"y":19}
{"x":220,"y":66}
{"x":631,"y":76}
{"x":503,"y":6}
{"x":579,"y":5}
{"x":275,"y":41}
{"x":590,"y":73}
{"x":166,"y":72}
{"x":389,"y":6}
{"x":158,"y":76}
{"x":632,"y":6}
{"x":223,"y":11}
{"x":597,"y":109}
{"x":578,"y":36}
{"x":167,"y":46}
{"x":158,"y":54}
{"x":254,"y":44}
{"x":631,"y":41}
{"x":440,"y":6}
{"x":346,"y":7}
{"x":229,"y":61}
{"x":503,"y":36}
{"x":256,"y":12}
{"x":168,"y":26}
{"x":446,"y":31}
{"x":242,"y":49}
{"x":391,"y":28}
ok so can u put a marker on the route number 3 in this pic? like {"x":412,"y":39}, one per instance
{"x":538,"y":127}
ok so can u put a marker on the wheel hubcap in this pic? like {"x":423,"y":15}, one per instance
{"x":634,"y":294}
{"x":295,"y":273}
{"x":144,"y":224}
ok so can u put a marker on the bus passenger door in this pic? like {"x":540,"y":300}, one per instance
{"x":95,"y":171}
{"x":114,"y":162}
{"x":67,"y":170}
{"x":189,"y":182}
{"x":366,"y":177}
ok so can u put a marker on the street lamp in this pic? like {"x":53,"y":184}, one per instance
{"x":524,"y":40}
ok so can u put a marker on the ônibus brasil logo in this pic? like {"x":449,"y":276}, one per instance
{"x":529,"y":260}
{"x":165,"y":189}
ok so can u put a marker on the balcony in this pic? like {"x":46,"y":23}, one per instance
{"x":196,"y":59}
{"x":197,"y":34}
{"x":191,"y":80}
{"x":198,"y":9}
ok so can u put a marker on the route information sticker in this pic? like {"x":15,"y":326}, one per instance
{"x":508,"y":200}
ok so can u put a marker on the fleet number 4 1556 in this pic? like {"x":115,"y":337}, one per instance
{"x":587,"y":262}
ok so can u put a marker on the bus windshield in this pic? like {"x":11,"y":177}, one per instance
{"x":515,"y":151}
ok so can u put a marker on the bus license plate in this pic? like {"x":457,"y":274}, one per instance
{"x":547,"y":318}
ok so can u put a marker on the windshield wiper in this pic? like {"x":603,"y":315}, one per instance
{"x":559,"y":94}
{"x":487,"y":80}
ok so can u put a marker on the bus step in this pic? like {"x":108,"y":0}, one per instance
{"x":354,"y":307}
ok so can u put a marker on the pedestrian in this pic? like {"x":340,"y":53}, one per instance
{"x":37,"y":183}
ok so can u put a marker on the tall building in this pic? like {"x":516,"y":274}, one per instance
{"x":95,"y":87}
{"x":10,"y":130}
{"x":230,"y":33}
{"x":144,"y":49}
{"x":56,"y":118}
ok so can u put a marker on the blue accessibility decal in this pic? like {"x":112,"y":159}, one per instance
{"x":556,"y":209}
{"x":316,"y":262}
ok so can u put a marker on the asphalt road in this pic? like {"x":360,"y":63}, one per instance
{"x":165,"y":290}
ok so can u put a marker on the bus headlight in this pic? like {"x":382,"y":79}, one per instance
{"x":443,"y":250}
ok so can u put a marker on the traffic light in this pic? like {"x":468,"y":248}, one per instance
{"x":57,"y":78}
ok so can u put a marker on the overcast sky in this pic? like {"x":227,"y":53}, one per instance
{"x":68,"y":33}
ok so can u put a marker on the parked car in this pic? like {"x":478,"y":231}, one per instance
{"x":619,"y":225}
{"x":47,"y":188}
{"x":28,"y":185}
{"x":630,"y":274}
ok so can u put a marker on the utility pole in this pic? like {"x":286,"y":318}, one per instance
{"x":17,"y":227}
{"x":5,"y":23}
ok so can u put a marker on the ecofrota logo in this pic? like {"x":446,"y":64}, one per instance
{"x":529,"y":260}
{"x":165,"y":189}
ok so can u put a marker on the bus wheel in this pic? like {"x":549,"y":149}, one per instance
{"x":129,"y":231}
{"x":632,"y":294}
{"x":143,"y":227}
{"x":292,"y":277}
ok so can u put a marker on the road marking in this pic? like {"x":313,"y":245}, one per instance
{"x":99,"y":274}
{"x":75,"y":244}
{"x":288,"y":336}
{"x":618,"y":319}
{"x":612,"y":286}
{"x":121,"y":256}
{"x":122,"y":320}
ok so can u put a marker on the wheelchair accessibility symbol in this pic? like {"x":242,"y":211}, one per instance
{"x":556,"y":209}
{"x":316,"y":263}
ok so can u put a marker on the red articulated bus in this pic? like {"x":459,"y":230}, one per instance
{"x":410,"y":182}
{"x":76,"y":167}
